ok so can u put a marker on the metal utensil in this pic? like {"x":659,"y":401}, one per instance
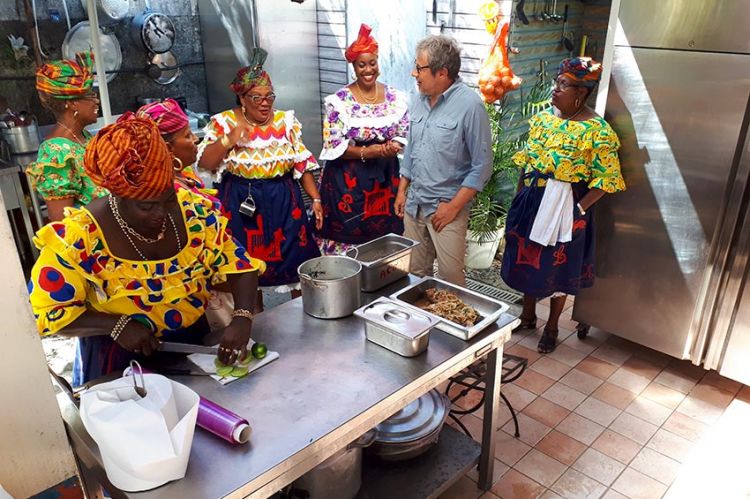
{"x":167,"y":346}
{"x":564,"y":40}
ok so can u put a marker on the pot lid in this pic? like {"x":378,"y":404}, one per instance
{"x":78,"y":39}
{"x":415,"y":421}
{"x":401,"y":320}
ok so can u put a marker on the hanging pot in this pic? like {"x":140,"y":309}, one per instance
{"x":109,"y":12}
{"x":339,"y":476}
{"x":78,"y":39}
{"x":163,"y":68}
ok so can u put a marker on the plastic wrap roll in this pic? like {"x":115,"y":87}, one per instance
{"x":223,"y":422}
{"x":218,"y":420}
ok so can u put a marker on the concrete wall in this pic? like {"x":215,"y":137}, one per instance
{"x":34,"y":451}
{"x":17,"y":83}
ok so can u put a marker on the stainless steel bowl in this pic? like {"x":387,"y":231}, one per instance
{"x":384,"y":260}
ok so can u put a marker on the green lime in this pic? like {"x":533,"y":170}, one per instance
{"x":224,"y":371}
{"x":239,"y":371}
{"x":259,"y":350}
{"x":247,"y":360}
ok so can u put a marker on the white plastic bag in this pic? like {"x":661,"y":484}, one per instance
{"x":144,"y":441}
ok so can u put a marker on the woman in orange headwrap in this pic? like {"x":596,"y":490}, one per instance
{"x":364,"y":128}
{"x":136,"y":267}
{"x":65,"y":88}
{"x":569,"y":162}
{"x":258,"y":154}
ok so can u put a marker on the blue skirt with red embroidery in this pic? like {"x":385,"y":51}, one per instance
{"x":280,"y":232}
{"x":358,"y":199}
{"x":538,"y":270}
{"x":98,"y":356}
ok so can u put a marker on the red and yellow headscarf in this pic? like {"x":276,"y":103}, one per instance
{"x":167,"y":114}
{"x":130,"y":159}
{"x":364,"y":44}
{"x":582,"y":69}
{"x":252,"y":75}
{"x":66,"y":79}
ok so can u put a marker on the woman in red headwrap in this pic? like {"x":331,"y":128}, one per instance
{"x":569,"y":162}
{"x":65,"y":89}
{"x":136,"y":267}
{"x":258,"y":154}
{"x":364,"y":129}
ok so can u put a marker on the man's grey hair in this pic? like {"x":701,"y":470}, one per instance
{"x":442,"y":52}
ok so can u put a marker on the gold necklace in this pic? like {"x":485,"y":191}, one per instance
{"x":368,"y":100}
{"x":75,"y":135}
{"x":574,"y":114}
{"x":253,"y":123}
{"x":131,"y":231}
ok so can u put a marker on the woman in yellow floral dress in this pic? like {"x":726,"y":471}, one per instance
{"x":569,"y":162}
{"x":129,"y":270}
{"x":65,"y":89}
{"x":258,"y":154}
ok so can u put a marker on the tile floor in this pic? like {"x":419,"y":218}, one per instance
{"x":604,"y":417}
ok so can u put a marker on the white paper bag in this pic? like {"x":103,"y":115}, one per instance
{"x":144,"y":442}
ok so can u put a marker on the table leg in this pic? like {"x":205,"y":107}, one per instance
{"x":489,"y":428}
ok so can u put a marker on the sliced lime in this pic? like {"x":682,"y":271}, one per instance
{"x":247,"y":360}
{"x":239,"y":371}
{"x":224,"y":371}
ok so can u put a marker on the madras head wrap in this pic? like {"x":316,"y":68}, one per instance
{"x":582,"y":69}
{"x":66,"y":79}
{"x":130,"y":159}
{"x":167,"y":114}
{"x":252,"y":75}
{"x":364,"y":44}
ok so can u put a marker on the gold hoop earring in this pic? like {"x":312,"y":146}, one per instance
{"x":178,"y":167}
{"x":244,"y":110}
{"x":75,"y":113}
{"x":578,"y":102}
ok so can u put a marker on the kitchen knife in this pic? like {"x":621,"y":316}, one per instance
{"x":167,"y":346}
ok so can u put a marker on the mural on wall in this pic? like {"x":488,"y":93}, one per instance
{"x":387,"y":19}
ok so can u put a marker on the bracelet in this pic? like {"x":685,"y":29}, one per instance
{"x":119,"y":327}
{"x":316,"y":200}
{"x":242,"y":312}
{"x":224,"y":141}
{"x":580,"y":210}
{"x":362,"y":153}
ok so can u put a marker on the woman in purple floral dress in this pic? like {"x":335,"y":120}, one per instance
{"x":364,"y":129}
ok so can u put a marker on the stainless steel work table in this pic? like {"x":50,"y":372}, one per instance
{"x":328,"y":387}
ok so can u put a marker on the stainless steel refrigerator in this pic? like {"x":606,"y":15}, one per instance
{"x":672,"y":250}
{"x":288,"y":30}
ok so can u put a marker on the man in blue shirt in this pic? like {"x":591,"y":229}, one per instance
{"x":447,"y":160}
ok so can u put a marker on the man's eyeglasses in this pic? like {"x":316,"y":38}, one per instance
{"x":257,"y":99}
{"x":563,"y":85}
{"x":419,"y":68}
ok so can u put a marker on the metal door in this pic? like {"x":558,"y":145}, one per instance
{"x":678,"y":115}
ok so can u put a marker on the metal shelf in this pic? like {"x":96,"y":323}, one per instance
{"x":426,"y":476}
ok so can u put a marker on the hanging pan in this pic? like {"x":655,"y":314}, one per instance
{"x":163,"y":68}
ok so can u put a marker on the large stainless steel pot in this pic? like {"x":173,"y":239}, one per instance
{"x":413,"y":430}
{"x":330,"y":286}
{"x":22,"y":139}
{"x":340,"y":476}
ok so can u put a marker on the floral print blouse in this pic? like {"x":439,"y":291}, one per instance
{"x":271,"y":151}
{"x":349,"y":122}
{"x":58,"y":172}
{"x":573,"y":151}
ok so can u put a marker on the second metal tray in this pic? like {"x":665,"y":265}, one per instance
{"x":489,"y":309}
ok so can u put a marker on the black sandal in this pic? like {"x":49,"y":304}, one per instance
{"x":525,"y":324}
{"x":548,"y":342}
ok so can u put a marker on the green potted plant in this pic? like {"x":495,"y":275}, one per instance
{"x":509,"y":134}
